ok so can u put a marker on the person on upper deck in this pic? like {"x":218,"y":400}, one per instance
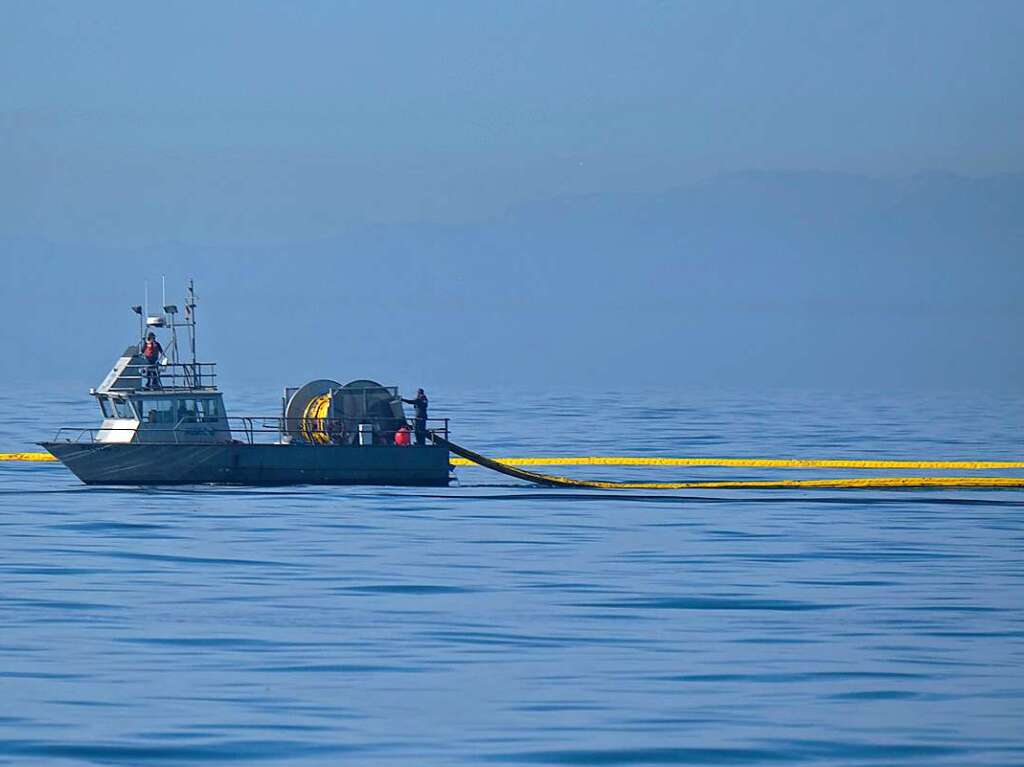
{"x":152,"y":350}
{"x":420,"y":404}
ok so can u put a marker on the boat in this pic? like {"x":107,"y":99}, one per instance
{"x":165,"y":423}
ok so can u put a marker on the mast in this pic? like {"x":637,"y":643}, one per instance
{"x":190,"y":320}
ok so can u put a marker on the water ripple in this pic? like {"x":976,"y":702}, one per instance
{"x":496,"y":622}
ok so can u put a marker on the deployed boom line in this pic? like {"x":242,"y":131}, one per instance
{"x":860,"y":482}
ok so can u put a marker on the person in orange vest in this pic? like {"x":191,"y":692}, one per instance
{"x":152,"y":350}
{"x":403,"y":435}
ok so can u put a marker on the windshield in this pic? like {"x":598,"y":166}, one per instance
{"x":159,"y":410}
{"x":123,"y":409}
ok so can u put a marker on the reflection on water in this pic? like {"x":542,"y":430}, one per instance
{"x":496,"y":622}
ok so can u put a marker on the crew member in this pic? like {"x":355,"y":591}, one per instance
{"x":402,"y":435}
{"x":420,"y":404}
{"x":152,"y":350}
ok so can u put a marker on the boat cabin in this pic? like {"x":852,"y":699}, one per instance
{"x":165,"y":416}
{"x":164,"y":402}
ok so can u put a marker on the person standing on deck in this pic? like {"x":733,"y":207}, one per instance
{"x":152,"y":350}
{"x":420,"y":404}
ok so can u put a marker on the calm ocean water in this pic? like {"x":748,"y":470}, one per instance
{"x":494,"y":622}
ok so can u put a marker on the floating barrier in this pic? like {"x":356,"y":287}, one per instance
{"x":509,"y":466}
{"x":772,"y":463}
{"x":629,"y":460}
{"x":42,"y":457}
{"x":875,"y":483}
{"x":506,"y":467}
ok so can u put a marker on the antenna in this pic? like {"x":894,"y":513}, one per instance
{"x":145,"y":286}
{"x":190,"y":318}
{"x":163,"y":290}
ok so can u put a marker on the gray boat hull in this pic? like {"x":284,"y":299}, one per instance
{"x":244,"y":464}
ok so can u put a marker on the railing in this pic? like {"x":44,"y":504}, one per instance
{"x":173,"y":376}
{"x":335,"y":431}
{"x":342,"y":430}
{"x":255,"y":430}
{"x":64,"y":434}
{"x":184,"y":431}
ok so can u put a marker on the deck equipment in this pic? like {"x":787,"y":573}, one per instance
{"x":167,"y":424}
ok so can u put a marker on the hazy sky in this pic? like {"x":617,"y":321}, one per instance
{"x":192,"y":138}
{"x":211,"y":119}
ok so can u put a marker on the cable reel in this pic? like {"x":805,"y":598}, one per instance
{"x":323,"y":412}
{"x":315,"y":425}
{"x":307,"y":414}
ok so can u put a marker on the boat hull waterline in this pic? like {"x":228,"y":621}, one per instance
{"x":248,"y":464}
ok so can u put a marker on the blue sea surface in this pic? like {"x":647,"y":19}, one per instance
{"x":494,"y":622}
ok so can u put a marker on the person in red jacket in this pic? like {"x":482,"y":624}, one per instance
{"x":152,"y":350}
{"x":402,"y":436}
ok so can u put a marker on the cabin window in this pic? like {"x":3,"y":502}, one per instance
{"x":123,"y":409}
{"x":161,"y":411}
{"x":105,"y":407}
{"x":187,"y":411}
{"x":211,"y":410}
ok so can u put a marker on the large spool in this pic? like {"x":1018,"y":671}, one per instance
{"x":323,"y":412}
{"x":304,"y":421}
{"x":367,"y":402}
{"x":316,"y":425}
